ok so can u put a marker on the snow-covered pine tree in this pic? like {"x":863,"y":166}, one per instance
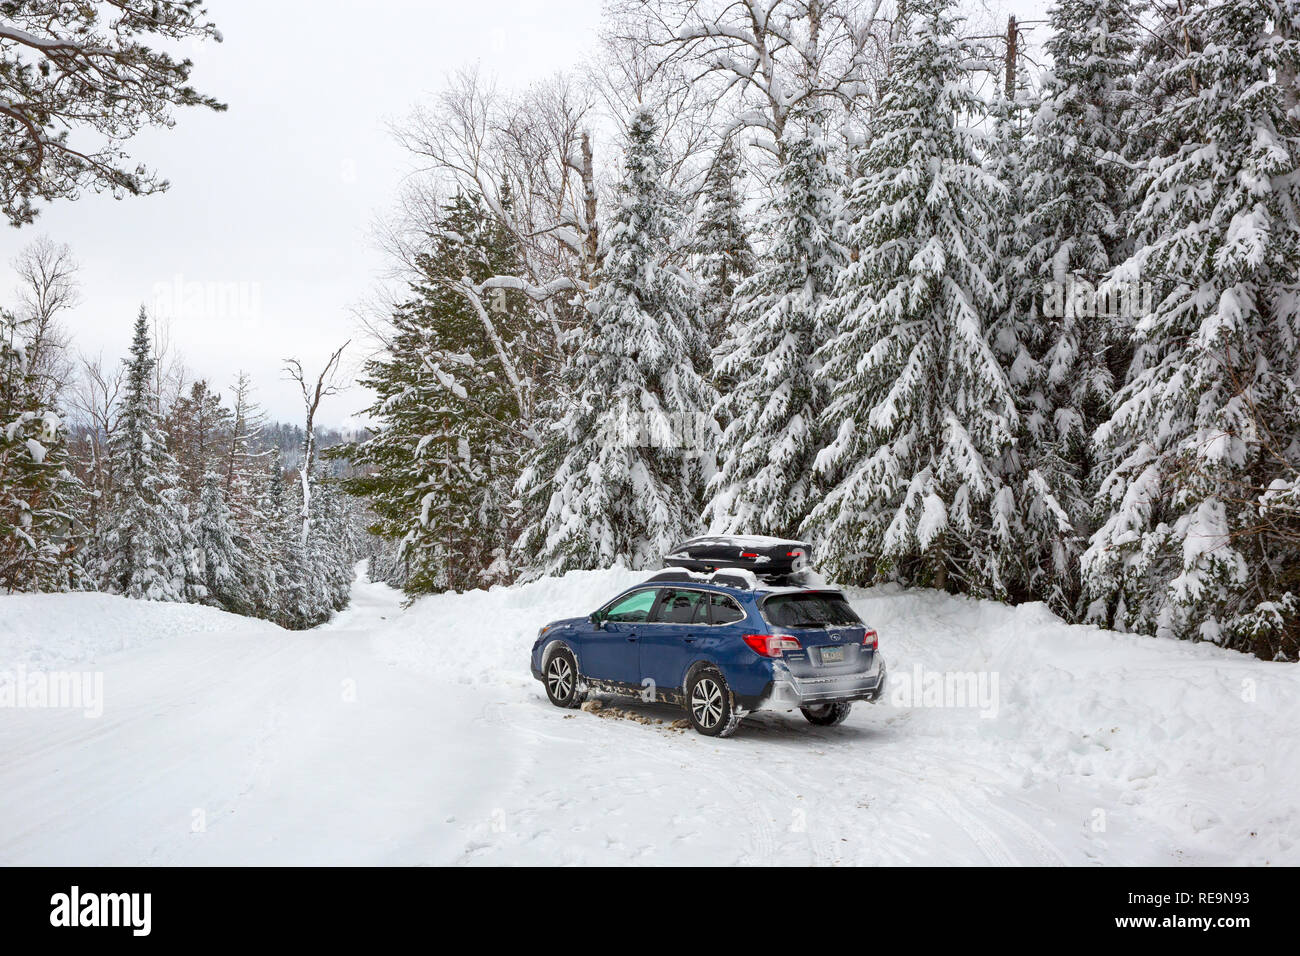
{"x":283,"y":509}
{"x":723,"y":254}
{"x":145,"y":550}
{"x":194,"y":591}
{"x":764,"y":483}
{"x":38,"y":494}
{"x":1067,"y":229}
{"x":443,"y":455}
{"x":271,"y":506}
{"x":77,"y":69}
{"x":245,"y":479}
{"x":330,"y":552}
{"x":921,"y":409}
{"x":221,"y":556}
{"x":621,"y":476}
{"x":198,"y":433}
{"x":1207,"y":420}
{"x":1035,"y":468}
{"x":243,"y":459}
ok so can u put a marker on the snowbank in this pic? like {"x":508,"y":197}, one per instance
{"x":491,"y":632}
{"x":1200,"y":744}
{"x":57,"y":630}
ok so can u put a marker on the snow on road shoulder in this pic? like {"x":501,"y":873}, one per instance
{"x":1195,"y":744}
{"x":59,"y":630}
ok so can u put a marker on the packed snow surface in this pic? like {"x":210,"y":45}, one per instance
{"x":416,"y":735}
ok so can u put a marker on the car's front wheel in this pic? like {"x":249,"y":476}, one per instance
{"x":708,"y":704}
{"x":561,"y":677}
{"x":827,"y":715}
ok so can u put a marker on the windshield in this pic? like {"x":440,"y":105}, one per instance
{"x":809,"y":609}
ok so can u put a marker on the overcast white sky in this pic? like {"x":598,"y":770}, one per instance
{"x":262,"y":245}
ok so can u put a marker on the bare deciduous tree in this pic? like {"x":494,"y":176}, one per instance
{"x":92,"y":401}
{"x":47,"y":286}
{"x":170,"y":373}
{"x":325,"y":386}
{"x":765,"y":61}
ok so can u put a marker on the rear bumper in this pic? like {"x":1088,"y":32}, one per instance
{"x":787,"y":692}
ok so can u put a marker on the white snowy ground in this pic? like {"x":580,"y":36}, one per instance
{"x":418,"y":736}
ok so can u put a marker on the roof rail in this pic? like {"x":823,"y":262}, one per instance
{"x":730,"y":578}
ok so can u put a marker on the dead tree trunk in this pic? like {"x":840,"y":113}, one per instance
{"x":592,"y":253}
{"x":1011,"y":59}
{"x":311,"y":398}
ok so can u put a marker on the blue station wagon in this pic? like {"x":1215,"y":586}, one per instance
{"x":721,"y":645}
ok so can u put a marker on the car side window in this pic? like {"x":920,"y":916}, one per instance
{"x":701,"y":613}
{"x":724,"y":610}
{"x":678,"y":606}
{"x":632,"y":609}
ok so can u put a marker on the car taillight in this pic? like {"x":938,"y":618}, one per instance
{"x":771,"y":645}
{"x":749,"y":554}
{"x":871,"y":639}
{"x":794,"y":554}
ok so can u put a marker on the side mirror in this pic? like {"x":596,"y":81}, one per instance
{"x":596,"y":621}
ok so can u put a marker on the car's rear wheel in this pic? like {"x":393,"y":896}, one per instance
{"x":827,"y":715}
{"x":708,"y":704}
{"x":561,"y":679}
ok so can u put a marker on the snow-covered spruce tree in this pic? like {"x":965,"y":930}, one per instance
{"x":773,"y":411}
{"x":198,"y":432}
{"x":622,"y":473}
{"x":38,"y":494}
{"x":245,"y":478}
{"x":330,"y":552}
{"x":221,"y":556}
{"x":443,"y":456}
{"x":921,"y":412}
{"x":194,"y":590}
{"x":1072,"y":227}
{"x":723,"y":254}
{"x":144,"y":545}
{"x":1044,"y":565}
{"x":271,"y":505}
{"x":255,"y":537}
{"x":1207,"y":420}
{"x":292,"y":600}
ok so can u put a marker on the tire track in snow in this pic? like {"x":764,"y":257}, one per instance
{"x":988,"y":842}
{"x":634,"y":754}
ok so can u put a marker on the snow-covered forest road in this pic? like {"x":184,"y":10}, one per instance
{"x":417,"y":736}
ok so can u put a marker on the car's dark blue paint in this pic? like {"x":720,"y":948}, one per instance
{"x":648,"y":654}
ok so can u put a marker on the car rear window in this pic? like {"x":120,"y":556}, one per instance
{"x":809,"y":609}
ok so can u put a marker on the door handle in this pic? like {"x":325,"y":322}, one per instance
{"x":631,"y":638}
{"x":689,"y":638}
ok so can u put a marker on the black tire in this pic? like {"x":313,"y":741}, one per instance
{"x":560,"y":675}
{"x":709,"y":706}
{"x":827,"y":715}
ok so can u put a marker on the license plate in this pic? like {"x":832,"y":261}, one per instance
{"x":832,"y":655}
